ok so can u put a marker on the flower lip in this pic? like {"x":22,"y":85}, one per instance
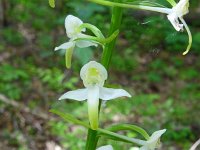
{"x":93,"y":73}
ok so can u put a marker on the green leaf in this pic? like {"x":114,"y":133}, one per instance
{"x":69,"y":118}
{"x":52,"y":3}
{"x":129,"y":127}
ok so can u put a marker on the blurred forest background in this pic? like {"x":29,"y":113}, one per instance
{"x":147,"y":62}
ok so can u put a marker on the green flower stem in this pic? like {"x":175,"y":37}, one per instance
{"x":124,"y":5}
{"x":92,"y":137}
{"x":115,"y":25}
{"x":92,"y":140}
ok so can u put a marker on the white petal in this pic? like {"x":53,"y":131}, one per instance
{"x":153,"y":141}
{"x":72,"y":24}
{"x":93,"y":106}
{"x":109,"y":93}
{"x":65,"y":46}
{"x":84,"y":43}
{"x":182,"y":8}
{"x":79,"y":95}
{"x":156,"y":135}
{"x":107,"y":147}
{"x":175,"y":22}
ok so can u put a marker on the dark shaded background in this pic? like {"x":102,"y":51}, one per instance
{"x":147,"y":62}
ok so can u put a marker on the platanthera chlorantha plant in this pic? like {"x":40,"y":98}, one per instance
{"x":95,"y":74}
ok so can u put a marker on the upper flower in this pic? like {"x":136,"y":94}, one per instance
{"x":74,"y":32}
{"x":175,"y":16}
{"x":94,"y":75}
{"x":178,"y":11}
{"x":153,"y":141}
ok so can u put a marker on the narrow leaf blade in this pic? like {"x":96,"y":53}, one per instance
{"x":69,"y":118}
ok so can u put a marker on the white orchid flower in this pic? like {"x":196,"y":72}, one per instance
{"x":178,"y":11}
{"x":175,"y":16}
{"x":94,"y":75}
{"x":73,"y":31}
{"x":106,"y":147}
{"x":153,"y":141}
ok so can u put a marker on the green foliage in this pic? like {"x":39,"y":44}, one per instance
{"x":47,"y":75}
{"x":73,"y":140}
{"x":12,"y":37}
{"x":85,"y":10}
{"x":124,"y":65}
{"x":83,"y":55}
{"x":12,"y":75}
{"x":70,"y":118}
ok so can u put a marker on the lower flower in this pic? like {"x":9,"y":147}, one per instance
{"x":93,"y":75}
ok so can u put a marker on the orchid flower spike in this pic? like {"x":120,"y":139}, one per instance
{"x":106,"y":147}
{"x":154,"y":141}
{"x":178,"y":11}
{"x":94,"y":75}
{"x":73,"y":30}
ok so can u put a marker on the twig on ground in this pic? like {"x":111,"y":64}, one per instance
{"x":194,"y":146}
